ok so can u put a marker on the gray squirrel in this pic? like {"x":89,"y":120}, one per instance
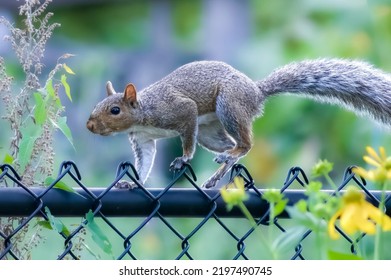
{"x":214,"y":105}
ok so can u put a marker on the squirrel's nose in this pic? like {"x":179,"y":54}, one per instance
{"x":90,"y":125}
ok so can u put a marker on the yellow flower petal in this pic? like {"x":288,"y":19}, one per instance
{"x":367,"y":226}
{"x":331,"y":226}
{"x":348,"y":218}
{"x":386,"y":223}
{"x":371,"y":161}
{"x":234,"y":193}
{"x":383,"y":154}
{"x":360,"y":172}
{"x":224,"y":195}
{"x":239,"y":182}
{"x":361,"y":219}
{"x":373,"y":153}
{"x":378,"y":216}
{"x":357,"y":214}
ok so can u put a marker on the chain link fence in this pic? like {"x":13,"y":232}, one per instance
{"x":118,"y":220}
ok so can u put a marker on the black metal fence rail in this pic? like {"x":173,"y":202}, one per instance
{"x":20,"y":205}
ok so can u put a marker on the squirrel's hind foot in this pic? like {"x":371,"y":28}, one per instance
{"x":223,"y":158}
{"x":224,"y":168}
{"x":125,"y":185}
{"x":210,"y":183}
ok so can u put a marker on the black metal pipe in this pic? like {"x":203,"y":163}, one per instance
{"x":176,"y":202}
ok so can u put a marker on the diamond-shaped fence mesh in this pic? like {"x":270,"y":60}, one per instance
{"x":146,"y":223}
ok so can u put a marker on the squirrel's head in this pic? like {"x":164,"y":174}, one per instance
{"x":116,"y":113}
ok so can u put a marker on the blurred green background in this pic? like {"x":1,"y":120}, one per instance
{"x":141,"y":41}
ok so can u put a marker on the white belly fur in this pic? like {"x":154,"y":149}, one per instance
{"x":207,"y":119}
{"x":151,"y":132}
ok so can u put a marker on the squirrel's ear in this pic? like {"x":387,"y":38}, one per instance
{"x":130,"y":94}
{"x":109,"y":88}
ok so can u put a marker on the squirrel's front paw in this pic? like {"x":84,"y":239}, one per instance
{"x":125,"y":185}
{"x":178,"y":163}
{"x":222,"y":158}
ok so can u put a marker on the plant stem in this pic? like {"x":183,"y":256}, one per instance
{"x":254,"y":225}
{"x":271,"y":219}
{"x":331,"y":183}
{"x":320,"y":242}
{"x":379,"y":233}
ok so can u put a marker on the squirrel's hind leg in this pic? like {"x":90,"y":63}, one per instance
{"x":240,"y":131}
{"x":236,"y":120}
{"x":227,"y":159}
{"x":236,"y":117}
{"x":212,"y":136}
{"x":224,"y":168}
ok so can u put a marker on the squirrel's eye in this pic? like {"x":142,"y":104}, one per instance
{"x":115,"y":110}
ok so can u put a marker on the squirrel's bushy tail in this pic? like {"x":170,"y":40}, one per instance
{"x":352,"y":84}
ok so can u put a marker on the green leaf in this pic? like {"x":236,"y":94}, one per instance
{"x":45,"y":224}
{"x":61,"y":186}
{"x":40,"y":113}
{"x":279,"y":207}
{"x":306,"y":219}
{"x":62,"y":125}
{"x":288,"y":240}
{"x":301,"y":205}
{"x":26,"y":145}
{"x":8,"y":159}
{"x":52,"y":93}
{"x":50,"y":89}
{"x":313,"y":187}
{"x":66,"y":86}
{"x":97,"y":234}
{"x":333,"y":255}
{"x":68,"y":69}
{"x":56,"y":224}
{"x":272,"y":195}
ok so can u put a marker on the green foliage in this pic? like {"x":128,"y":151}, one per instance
{"x":186,"y":17}
{"x":40,"y":111}
{"x":52,"y":93}
{"x":319,"y":212}
{"x":98,"y":235}
{"x":30,"y":134}
{"x":322,"y":168}
{"x":131,"y":18}
{"x":276,"y":200}
{"x":66,"y":86}
{"x":333,"y":255}
{"x":61,"y":186}
{"x":287,"y":241}
{"x":34,"y":112}
{"x":54,"y":223}
{"x":62,"y":125}
{"x":46,"y":108}
{"x":8,"y":159}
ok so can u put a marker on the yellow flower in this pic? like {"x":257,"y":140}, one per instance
{"x":381,"y":162}
{"x":234,"y":193}
{"x":356,"y":214}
